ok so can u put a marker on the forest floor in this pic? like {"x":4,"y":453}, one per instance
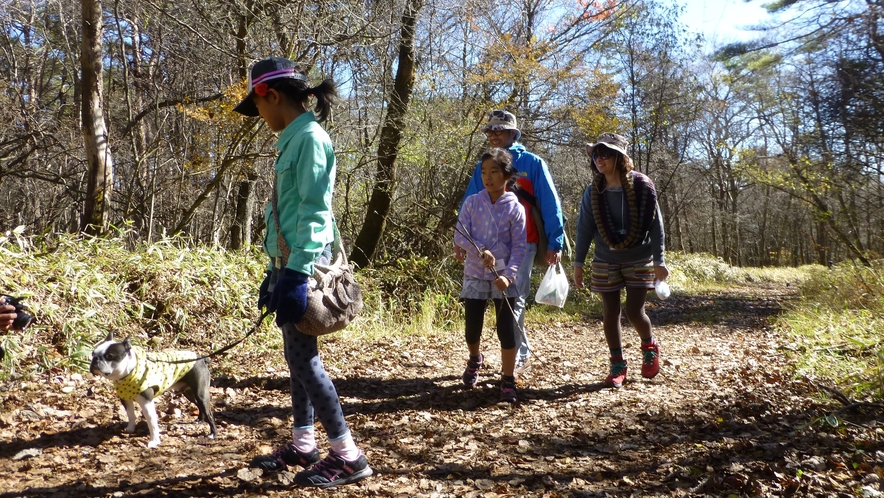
{"x":725,"y":417}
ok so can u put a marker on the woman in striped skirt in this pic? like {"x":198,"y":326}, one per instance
{"x":619,"y":213}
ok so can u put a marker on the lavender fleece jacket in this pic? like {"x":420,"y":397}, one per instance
{"x":498,"y":227}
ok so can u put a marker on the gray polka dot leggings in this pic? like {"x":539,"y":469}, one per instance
{"x":311,"y":387}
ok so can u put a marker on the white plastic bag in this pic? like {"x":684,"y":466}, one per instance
{"x":553,"y":288}
{"x":662,"y":289}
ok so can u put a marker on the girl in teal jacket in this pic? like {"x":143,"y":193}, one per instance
{"x":304,"y":179}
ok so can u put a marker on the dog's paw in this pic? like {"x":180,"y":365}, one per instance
{"x":153,"y":443}
{"x":130,"y":429}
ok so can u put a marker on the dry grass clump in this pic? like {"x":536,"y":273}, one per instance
{"x":694,"y":272}
{"x":837,"y":325}
{"x":81,"y":288}
{"x":173,"y":294}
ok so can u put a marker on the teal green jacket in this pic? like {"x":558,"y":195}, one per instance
{"x":305,"y":172}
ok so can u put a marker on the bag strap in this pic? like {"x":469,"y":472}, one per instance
{"x":279,"y":262}
{"x":525,"y":196}
{"x":337,"y":243}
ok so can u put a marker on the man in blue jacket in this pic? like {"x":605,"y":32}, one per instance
{"x":537,"y":191}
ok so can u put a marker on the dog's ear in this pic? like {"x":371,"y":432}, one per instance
{"x":127,"y":344}
{"x":110,"y":336}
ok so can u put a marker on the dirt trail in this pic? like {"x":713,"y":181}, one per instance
{"x":724,"y":417}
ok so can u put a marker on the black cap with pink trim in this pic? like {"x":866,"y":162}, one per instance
{"x":272,"y":68}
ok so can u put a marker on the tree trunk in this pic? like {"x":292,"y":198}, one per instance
{"x":228,"y":161}
{"x":240,"y":233}
{"x":714,"y":223}
{"x":679,"y":235}
{"x":98,"y":155}
{"x":764,"y":248}
{"x":188,"y":215}
{"x":388,"y":146}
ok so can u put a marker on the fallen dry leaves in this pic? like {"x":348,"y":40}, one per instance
{"x":724,"y":418}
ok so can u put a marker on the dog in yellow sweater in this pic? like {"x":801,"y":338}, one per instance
{"x":140,"y":376}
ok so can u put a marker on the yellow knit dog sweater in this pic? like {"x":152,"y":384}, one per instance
{"x":151,"y":371}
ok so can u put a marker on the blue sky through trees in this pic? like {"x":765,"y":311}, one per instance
{"x":724,"y":21}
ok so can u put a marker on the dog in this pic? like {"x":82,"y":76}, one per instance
{"x":141,"y":376}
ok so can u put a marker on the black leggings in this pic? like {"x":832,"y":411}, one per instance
{"x":475,"y":318}
{"x":635,"y":313}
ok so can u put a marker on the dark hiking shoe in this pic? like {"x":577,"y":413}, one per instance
{"x":334,"y":471}
{"x":471,"y":374}
{"x":508,"y":391}
{"x":287,"y":455}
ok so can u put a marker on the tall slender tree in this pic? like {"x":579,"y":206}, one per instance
{"x":95,"y":137}
{"x":388,"y":146}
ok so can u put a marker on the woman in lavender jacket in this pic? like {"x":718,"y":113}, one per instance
{"x":495,"y":221}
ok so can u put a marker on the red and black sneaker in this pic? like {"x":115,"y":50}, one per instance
{"x":618,"y":373}
{"x":650,"y":360}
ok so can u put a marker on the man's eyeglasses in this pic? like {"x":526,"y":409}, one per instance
{"x":497,"y":133}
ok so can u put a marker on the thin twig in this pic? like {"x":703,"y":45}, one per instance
{"x":836,"y":393}
{"x":849,"y":404}
{"x":860,"y":404}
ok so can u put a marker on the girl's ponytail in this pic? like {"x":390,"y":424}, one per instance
{"x":326,"y":94}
